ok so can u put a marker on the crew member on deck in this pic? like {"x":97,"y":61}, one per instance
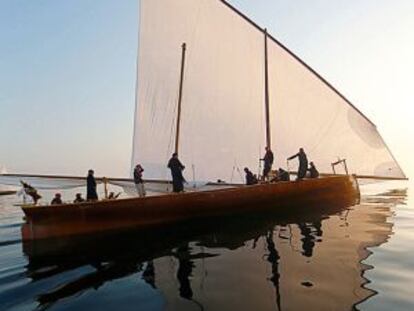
{"x":57,"y":200}
{"x":268,"y":162}
{"x":31,"y":191}
{"x":176,"y":168}
{"x":250,"y":178}
{"x":313,"y":171}
{"x":78,"y":198}
{"x":139,"y":182}
{"x":282,"y":175}
{"x":91,"y":194}
{"x":303,"y":163}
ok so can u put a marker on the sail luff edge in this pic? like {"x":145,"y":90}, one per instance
{"x":136,"y":92}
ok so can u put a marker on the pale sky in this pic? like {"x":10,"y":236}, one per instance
{"x":67,"y":73}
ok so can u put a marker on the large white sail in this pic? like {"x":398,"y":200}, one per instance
{"x":222,"y":109}
{"x":222,"y":122}
{"x":307,"y":112}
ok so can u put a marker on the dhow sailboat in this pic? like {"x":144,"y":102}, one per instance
{"x":217,"y":88}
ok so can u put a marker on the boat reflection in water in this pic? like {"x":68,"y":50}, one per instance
{"x":264,"y":262}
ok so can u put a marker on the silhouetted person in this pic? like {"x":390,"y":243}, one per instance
{"x":78,"y":198}
{"x":282,"y":175}
{"x":303,"y":163}
{"x":313,"y":171}
{"x":139,"y":182}
{"x":31,"y":192}
{"x":57,"y":200}
{"x":176,"y":168}
{"x":91,"y":194}
{"x":268,"y":162}
{"x":250,"y":178}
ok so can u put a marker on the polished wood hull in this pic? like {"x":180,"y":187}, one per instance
{"x":43,"y":222}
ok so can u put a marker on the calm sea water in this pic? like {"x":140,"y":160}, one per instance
{"x":360,"y":257}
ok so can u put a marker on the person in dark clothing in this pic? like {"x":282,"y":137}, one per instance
{"x":139,"y":182}
{"x":303,"y":163}
{"x":268,"y":162}
{"x":313,"y":171}
{"x":283,"y":175}
{"x":250,"y":178}
{"x":176,"y":168}
{"x":78,"y":198}
{"x":31,"y":191}
{"x":57,"y":200}
{"x":91,"y":194}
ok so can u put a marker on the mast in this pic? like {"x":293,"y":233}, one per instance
{"x":180,"y":94}
{"x":267,"y":109}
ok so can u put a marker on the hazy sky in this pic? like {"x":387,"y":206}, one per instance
{"x":67,"y":73}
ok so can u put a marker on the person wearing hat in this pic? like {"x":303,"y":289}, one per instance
{"x":176,"y":168}
{"x":57,"y":200}
{"x":91,"y":194}
{"x":139,"y":182}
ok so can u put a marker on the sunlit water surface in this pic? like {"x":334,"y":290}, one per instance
{"x":310,"y":262}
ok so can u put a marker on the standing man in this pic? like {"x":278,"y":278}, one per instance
{"x":139,"y":182}
{"x":91,"y":194}
{"x":176,"y":168}
{"x":268,"y":162}
{"x":303,"y":163}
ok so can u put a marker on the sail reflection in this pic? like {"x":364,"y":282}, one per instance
{"x":261,"y":259}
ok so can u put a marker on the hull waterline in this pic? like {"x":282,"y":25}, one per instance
{"x":44,"y":222}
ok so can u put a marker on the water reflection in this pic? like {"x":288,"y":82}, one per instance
{"x":258,"y":262}
{"x":273,"y":258}
{"x":311,"y":233}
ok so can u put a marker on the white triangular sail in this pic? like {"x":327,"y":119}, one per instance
{"x":308,"y":112}
{"x":222,"y":128}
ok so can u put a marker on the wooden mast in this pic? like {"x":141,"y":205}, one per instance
{"x":180,"y":95}
{"x":267,"y":108}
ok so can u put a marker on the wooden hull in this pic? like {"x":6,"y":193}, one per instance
{"x":7,"y":192}
{"x":43,"y":222}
